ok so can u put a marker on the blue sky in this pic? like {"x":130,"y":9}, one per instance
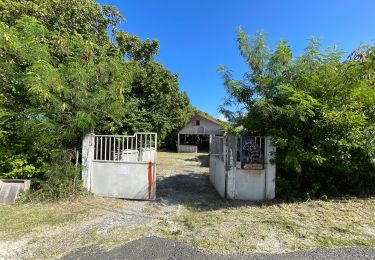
{"x":197,"y":36}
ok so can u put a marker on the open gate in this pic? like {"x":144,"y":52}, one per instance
{"x":120,"y":166}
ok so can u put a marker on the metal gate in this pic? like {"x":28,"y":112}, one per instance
{"x":121,"y":166}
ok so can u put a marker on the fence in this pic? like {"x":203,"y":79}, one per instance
{"x":217,"y":147}
{"x":133,"y":148}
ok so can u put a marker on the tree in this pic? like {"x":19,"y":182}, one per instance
{"x":318,"y":107}
{"x":54,"y":87}
{"x":155,"y":102}
{"x":62,"y":75}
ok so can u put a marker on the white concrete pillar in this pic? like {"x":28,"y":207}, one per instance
{"x":209,"y":145}
{"x":269,"y":168}
{"x":231,"y":172}
{"x":87,"y":158}
{"x":178,"y":142}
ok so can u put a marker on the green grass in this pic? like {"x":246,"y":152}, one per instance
{"x":190,"y":220}
{"x":237,"y":227}
{"x":18,"y":220}
{"x":331,"y":241}
{"x":282,"y":222}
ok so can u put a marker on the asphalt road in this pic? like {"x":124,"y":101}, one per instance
{"x":161,"y":248}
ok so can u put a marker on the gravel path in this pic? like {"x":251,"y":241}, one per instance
{"x":161,"y":248}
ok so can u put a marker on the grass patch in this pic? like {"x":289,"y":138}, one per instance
{"x":331,"y":241}
{"x":190,"y":220}
{"x":20,"y":219}
{"x":282,"y":223}
{"x":200,"y":217}
{"x":222,"y":245}
{"x":171,"y":233}
{"x":120,"y":235}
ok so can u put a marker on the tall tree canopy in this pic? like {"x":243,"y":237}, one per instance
{"x":66,"y":68}
{"x":319,"y":107}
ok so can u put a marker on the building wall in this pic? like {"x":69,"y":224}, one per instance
{"x":205,"y":127}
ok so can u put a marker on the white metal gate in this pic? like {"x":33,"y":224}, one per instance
{"x":121,"y":166}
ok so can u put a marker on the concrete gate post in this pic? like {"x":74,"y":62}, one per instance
{"x":231,"y":170}
{"x":270,"y":168}
{"x":87,"y":158}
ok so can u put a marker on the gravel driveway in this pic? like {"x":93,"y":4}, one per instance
{"x":161,"y":248}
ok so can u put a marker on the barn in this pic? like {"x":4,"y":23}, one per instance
{"x":195,"y":136}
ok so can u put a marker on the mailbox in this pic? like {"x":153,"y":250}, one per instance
{"x":252,"y":152}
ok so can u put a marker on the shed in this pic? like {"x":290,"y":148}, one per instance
{"x":196,"y":135}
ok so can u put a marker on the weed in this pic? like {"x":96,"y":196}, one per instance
{"x":190,"y":220}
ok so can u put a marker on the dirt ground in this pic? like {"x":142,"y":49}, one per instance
{"x":189,"y":210}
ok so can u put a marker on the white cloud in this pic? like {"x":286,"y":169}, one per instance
{"x":223,"y":118}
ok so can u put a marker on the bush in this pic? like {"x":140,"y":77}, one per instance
{"x":61,"y":180}
{"x":319,"y":108}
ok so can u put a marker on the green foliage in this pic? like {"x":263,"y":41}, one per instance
{"x":49,"y":104}
{"x":154,"y":102}
{"x":319,"y":107}
{"x":134,"y":48}
{"x":62,"y":75}
{"x":62,"y":180}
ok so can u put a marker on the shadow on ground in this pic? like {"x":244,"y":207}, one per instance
{"x":203,"y":159}
{"x":189,"y":187}
{"x":192,"y":188}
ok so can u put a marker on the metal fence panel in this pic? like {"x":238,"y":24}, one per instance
{"x":140,"y":147}
{"x":217,"y":147}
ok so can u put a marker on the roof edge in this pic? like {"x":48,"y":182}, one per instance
{"x":212,"y":120}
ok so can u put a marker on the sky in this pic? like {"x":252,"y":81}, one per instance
{"x":196,"y":36}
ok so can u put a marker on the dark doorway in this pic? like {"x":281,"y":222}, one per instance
{"x":202,"y":141}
